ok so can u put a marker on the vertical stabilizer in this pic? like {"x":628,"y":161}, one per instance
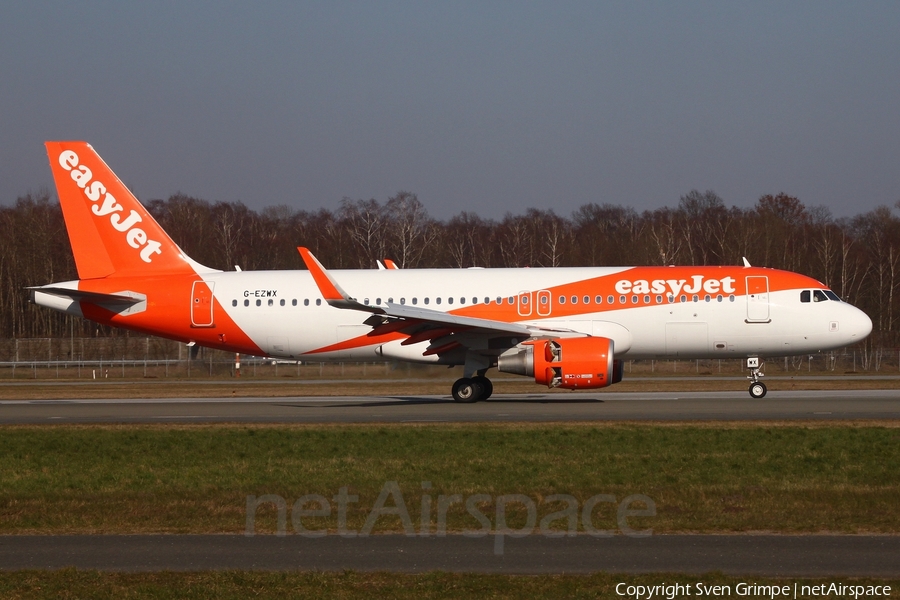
{"x":110,"y":231}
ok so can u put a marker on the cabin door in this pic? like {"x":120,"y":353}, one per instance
{"x":757,"y":299}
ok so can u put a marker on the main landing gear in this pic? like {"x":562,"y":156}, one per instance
{"x":472,"y":389}
{"x":757,"y":387}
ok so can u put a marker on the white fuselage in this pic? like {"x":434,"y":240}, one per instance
{"x":284,"y":313}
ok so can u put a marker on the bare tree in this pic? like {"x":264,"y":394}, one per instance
{"x":365,"y":224}
{"x":410,"y":228}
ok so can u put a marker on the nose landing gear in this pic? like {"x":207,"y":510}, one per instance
{"x":757,"y":387}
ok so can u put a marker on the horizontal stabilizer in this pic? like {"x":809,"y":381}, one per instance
{"x":99,"y":298}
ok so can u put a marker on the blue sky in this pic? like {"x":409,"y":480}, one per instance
{"x":481,"y":106}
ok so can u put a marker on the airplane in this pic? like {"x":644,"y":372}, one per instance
{"x":568,"y":328}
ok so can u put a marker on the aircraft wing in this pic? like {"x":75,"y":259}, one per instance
{"x":445,"y":331}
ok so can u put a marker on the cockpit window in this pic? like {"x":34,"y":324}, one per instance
{"x":804,"y":296}
{"x":819,"y":296}
{"x":831,"y":295}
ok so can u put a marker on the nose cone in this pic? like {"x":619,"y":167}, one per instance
{"x":858,"y":324}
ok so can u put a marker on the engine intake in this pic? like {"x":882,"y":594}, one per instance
{"x":569,"y":363}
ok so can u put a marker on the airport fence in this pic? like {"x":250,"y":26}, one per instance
{"x":151,"y":357}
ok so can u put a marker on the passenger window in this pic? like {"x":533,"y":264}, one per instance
{"x":804,"y":296}
{"x":427,"y":300}
{"x":524,"y":300}
{"x":574,"y":299}
{"x":683,"y":298}
{"x":462,"y":300}
{"x":511,"y":300}
{"x":474,"y":300}
{"x":586,"y":299}
{"x":646,"y":299}
{"x":234,"y":302}
{"x":246,"y":303}
{"x":281,"y":303}
{"x":719,"y":298}
{"x":306,"y":302}
{"x":545,"y":300}
{"x":377,"y":300}
{"x":402,"y":300}
{"x":415,"y":301}
{"x":634,"y":299}
{"x":598,"y":299}
{"x":562,"y":299}
{"x":318,"y":302}
{"x":622,"y":299}
{"x":450,"y":300}
{"x":487,"y":300}
{"x":706,"y":298}
{"x":819,"y":296}
{"x":611,"y":299}
{"x":659,"y":299}
{"x":294,"y":302}
{"x":499,"y":300}
{"x":259,"y":302}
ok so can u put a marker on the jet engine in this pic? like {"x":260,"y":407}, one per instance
{"x":569,"y":363}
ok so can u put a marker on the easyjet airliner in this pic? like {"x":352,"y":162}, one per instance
{"x":564,"y":327}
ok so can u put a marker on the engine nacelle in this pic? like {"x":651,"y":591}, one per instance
{"x":570,"y":363}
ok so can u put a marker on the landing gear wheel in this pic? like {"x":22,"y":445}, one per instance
{"x":467,"y":390}
{"x":758,"y":389}
{"x":487,"y":387}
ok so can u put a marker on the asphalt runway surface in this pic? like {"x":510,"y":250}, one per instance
{"x":608,"y":406}
{"x":764,"y":555}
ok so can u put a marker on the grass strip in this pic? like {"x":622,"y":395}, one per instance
{"x":69,"y":583}
{"x":196,"y":479}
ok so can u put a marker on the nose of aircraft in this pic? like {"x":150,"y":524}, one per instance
{"x":858,"y":324}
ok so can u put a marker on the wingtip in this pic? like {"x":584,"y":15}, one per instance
{"x":329,"y":288}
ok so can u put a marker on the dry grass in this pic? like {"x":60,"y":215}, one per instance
{"x":69,"y":583}
{"x":195,"y":479}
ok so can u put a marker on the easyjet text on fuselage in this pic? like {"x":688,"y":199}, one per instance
{"x":694,"y":285}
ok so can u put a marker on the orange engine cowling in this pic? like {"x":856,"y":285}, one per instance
{"x":570,"y":363}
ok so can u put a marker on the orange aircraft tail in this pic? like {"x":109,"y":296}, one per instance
{"x":110,"y":231}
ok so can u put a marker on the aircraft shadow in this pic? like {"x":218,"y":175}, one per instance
{"x":413,"y":401}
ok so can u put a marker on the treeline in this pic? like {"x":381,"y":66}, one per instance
{"x":858,"y":257}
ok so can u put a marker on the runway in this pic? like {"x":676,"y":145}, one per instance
{"x":767,"y":555}
{"x":608,"y":406}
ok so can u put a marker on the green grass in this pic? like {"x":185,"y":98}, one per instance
{"x":70,"y":583}
{"x":195,"y":479}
